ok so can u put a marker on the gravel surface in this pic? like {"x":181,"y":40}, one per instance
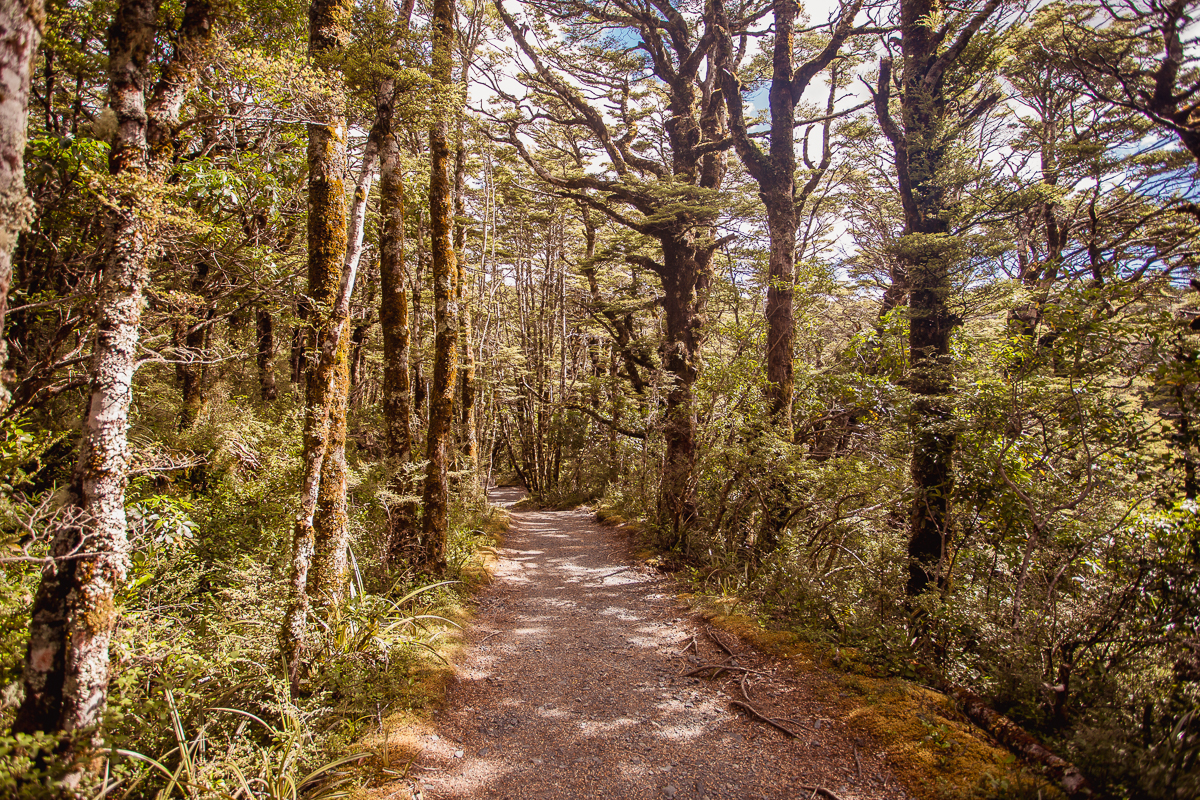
{"x":573,"y":685}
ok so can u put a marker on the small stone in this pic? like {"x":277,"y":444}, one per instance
{"x":433,"y":736}
{"x":670,"y":791}
{"x":458,"y":753}
{"x":483,"y":752}
{"x":535,"y":761}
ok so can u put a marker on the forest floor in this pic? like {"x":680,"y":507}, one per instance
{"x":573,"y":682}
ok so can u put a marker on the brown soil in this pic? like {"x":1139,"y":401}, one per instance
{"x":573,"y":684}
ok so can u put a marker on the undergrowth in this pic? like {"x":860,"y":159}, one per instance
{"x":198,"y":707}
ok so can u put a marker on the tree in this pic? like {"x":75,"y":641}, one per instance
{"x":436,"y":495}
{"x":1112,"y":46}
{"x":20,"y":31}
{"x":775,"y":173}
{"x":330,"y":285}
{"x":670,"y":200}
{"x":66,"y":666}
{"x":921,"y":144}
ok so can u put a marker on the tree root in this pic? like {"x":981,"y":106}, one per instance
{"x":774,"y":723}
{"x":717,"y":640}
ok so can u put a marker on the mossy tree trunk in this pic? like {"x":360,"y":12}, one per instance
{"x":328,"y":31}
{"x":331,"y":525}
{"x":436,"y":495}
{"x":394,"y":321}
{"x":467,"y":436}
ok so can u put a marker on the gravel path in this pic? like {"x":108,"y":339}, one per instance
{"x":571,"y":686}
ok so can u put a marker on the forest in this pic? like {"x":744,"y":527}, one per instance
{"x":881,"y":316}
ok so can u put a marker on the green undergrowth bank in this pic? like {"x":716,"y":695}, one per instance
{"x":198,"y":707}
{"x":392,"y":741}
{"x":930,"y":745}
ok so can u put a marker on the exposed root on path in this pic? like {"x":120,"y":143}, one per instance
{"x":774,"y":723}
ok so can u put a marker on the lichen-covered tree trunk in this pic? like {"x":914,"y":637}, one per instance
{"x":328,"y":22}
{"x":20,"y":32}
{"x":66,"y":666}
{"x":74,"y":613}
{"x":265,"y":328}
{"x":436,"y":495}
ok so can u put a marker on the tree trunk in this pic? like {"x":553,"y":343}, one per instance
{"x":331,"y":525}
{"x":926,"y":253}
{"x":445,"y":319}
{"x":265,"y":325}
{"x":192,"y":371}
{"x":420,"y":386}
{"x":686,"y":277}
{"x":298,"y":357}
{"x":20,"y":33}
{"x":393,"y":318}
{"x":74,"y":612}
{"x":467,"y":436}
{"x":328,"y":31}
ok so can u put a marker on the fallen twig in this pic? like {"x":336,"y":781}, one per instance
{"x":689,"y":646}
{"x":774,"y":723}
{"x":618,"y":572}
{"x":821,"y":790}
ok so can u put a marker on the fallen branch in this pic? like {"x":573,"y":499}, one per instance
{"x":774,"y":723}
{"x":820,"y":790}
{"x":1012,"y":736}
{"x":689,"y":646}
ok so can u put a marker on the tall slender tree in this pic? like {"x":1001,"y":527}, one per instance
{"x":328,"y":32}
{"x":436,"y":495}
{"x":20,"y":33}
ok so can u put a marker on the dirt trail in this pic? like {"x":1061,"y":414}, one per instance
{"x":570,"y":687}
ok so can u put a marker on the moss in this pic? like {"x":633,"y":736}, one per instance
{"x":932,"y":748}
